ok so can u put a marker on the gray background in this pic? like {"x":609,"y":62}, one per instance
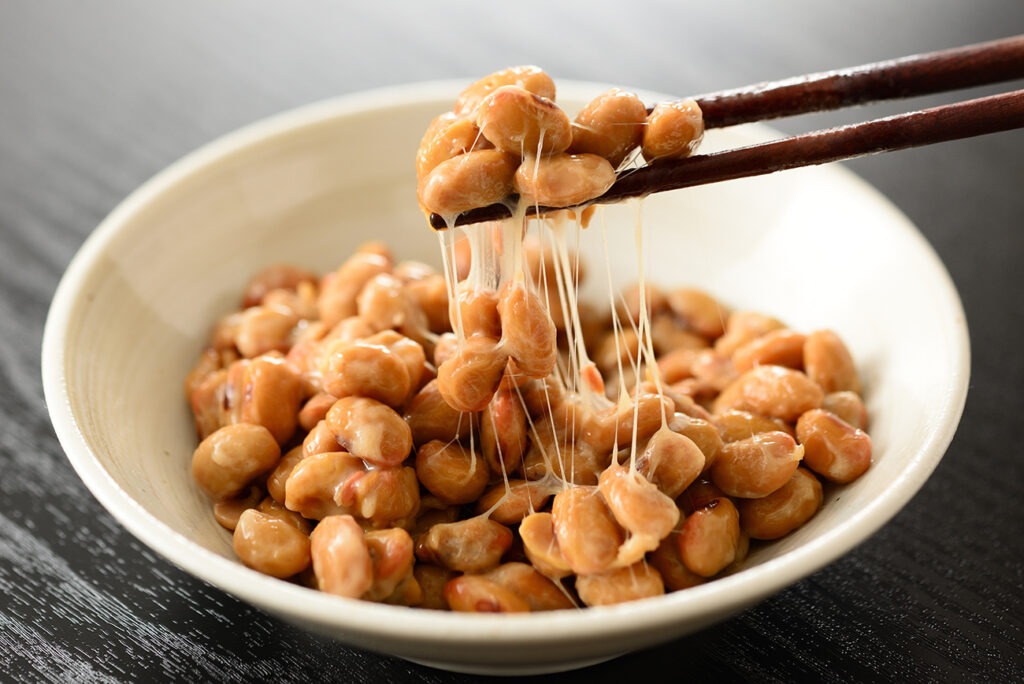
{"x":95,"y":97}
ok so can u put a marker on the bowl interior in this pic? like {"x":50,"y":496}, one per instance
{"x":816,"y":248}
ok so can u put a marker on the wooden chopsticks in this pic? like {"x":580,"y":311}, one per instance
{"x":972,"y":65}
{"x":935,"y":72}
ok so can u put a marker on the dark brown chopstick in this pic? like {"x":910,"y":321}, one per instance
{"x":968,"y":66}
{"x":996,"y":61}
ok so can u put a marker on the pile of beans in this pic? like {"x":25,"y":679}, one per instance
{"x":395,"y":434}
{"x":505,"y":134}
{"x":352,"y":443}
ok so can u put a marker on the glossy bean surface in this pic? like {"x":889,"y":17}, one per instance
{"x":829,"y":363}
{"x":637,"y":581}
{"x":523,"y":123}
{"x":611,"y":125}
{"x":475,"y":179}
{"x":472,"y":545}
{"x":271,"y":545}
{"x":528,"y":77}
{"x":468,"y":380}
{"x":451,"y":472}
{"x":833,"y":448}
{"x":528,"y":333}
{"x":226,"y":462}
{"x":773,"y":391}
{"x":370,"y":430}
{"x":710,"y":538}
{"x":587,"y":533}
{"x":784,"y":510}
{"x":673,"y":131}
{"x":341,"y":559}
{"x":563,"y":180}
{"x":756,"y":466}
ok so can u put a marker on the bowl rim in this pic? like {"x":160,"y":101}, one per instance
{"x":720,"y":597}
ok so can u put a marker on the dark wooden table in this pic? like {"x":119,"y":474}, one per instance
{"x":95,"y":97}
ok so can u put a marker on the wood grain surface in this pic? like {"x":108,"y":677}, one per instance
{"x":95,"y":97}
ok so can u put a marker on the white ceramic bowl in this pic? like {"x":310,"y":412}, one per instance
{"x":815,"y":247}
